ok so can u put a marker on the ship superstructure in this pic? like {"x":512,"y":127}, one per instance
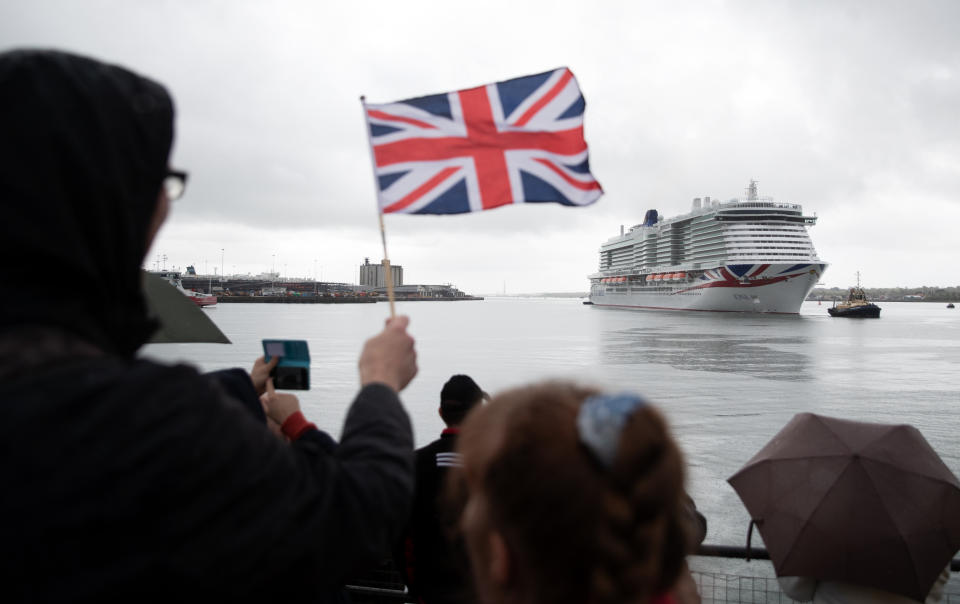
{"x":748,"y":254}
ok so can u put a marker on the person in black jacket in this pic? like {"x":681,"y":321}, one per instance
{"x":435,"y":564}
{"x":122,"y":479}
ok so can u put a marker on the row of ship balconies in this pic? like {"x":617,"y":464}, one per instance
{"x":764,"y":253}
{"x":631,"y":265}
{"x":688,"y":237}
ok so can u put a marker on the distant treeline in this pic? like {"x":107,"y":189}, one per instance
{"x":927,"y":294}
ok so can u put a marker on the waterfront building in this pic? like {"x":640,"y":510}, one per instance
{"x":374,"y":275}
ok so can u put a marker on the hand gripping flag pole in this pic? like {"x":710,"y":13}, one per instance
{"x":387,"y":272}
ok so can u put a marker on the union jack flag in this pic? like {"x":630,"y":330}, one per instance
{"x":517,"y":141}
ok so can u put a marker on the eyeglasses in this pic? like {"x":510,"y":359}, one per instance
{"x":174,"y":184}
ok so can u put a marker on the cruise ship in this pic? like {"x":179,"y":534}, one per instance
{"x":748,"y":254}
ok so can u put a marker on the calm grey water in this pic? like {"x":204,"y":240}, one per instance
{"x":727,"y":382}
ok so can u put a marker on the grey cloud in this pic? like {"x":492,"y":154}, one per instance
{"x":844,"y":107}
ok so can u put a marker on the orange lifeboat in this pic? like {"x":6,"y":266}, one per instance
{"x":649,"y":278}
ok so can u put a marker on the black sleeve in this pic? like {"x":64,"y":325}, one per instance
{"x":236,"y":383}
{"x":248,"y":508}
{"x":319,"y":438}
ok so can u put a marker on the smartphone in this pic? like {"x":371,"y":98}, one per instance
{"x":293,"y":370}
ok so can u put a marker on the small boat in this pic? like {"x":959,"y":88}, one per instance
{"x":950,"y":305}
{"x":201,"y":299}
{"x":856,"y":305}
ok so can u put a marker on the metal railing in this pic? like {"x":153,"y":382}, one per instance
{"x":717,"y":587}
{"x":383,"y":586}
{"x":758,"y":553}
{"x":720,"y":588}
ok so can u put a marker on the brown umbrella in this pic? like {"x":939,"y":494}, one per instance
{"x":865,"y":503}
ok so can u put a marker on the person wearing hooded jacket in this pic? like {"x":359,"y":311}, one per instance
{"x":122,"y":478}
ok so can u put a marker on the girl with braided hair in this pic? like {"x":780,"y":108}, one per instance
{"x":573,"y":496}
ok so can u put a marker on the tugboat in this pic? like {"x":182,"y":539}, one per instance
{"x":950,"y":305}
{"x":856,"y":305}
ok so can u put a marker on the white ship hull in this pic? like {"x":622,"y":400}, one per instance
{"x":759,"y":288}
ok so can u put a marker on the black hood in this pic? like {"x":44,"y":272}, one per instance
{"x":83,"y":152}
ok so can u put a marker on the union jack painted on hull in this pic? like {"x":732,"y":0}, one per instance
{"x":748,"y":275}
{"x":517,"y":141}
{"x":765,"y":288}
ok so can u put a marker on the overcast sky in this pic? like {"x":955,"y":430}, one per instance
{"x":851,"y":109}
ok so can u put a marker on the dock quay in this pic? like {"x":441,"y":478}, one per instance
{"x":296,"y":299}
{"x":287,"y":291}
{"x":431,"y":299}
{"x":257,"y":287}
{"x":332,"y":299}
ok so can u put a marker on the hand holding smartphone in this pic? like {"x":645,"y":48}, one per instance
{"x":293,"y":370}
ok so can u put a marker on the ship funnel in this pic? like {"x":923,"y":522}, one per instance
{"x":621,"y":230}
{"x":706,"y":201}
{"x":696,"y":203}
{"x":651,"y":218}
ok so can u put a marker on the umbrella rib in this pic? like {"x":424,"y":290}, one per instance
{"x":927,"y":476}
{"x":883,"y":502}
{"x":826,"y":425}
{"x":813,"y":512}
{"x":841,"y":440}
{"x":890,"y":518}
{"x":847,"y":455}
{"x":816,"y":508}
{"x":796,"y":458}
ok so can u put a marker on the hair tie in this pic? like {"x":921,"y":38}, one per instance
{"x":600,"y":422}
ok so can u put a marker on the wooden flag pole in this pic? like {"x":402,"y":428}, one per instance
{"x":388,"y":272}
